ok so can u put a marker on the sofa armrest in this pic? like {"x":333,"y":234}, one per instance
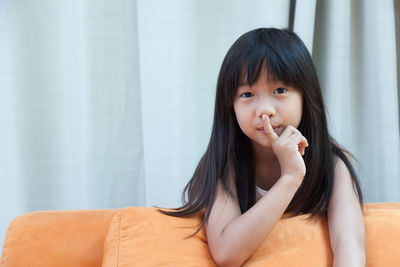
{"x":57,"y":238}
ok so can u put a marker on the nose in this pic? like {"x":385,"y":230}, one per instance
{"x":267,"y":108}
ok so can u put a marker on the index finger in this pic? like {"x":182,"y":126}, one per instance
{"x":272,"y":136}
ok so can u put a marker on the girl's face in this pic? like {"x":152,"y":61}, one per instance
{"x":283,"y":105}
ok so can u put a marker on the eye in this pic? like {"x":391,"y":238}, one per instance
{"x":246,"y":95}
{"x":280,"y":90}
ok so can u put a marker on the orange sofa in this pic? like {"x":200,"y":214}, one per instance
{"x":136,"y":236}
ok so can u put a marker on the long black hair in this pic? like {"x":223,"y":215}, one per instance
{"x":228,"y":155}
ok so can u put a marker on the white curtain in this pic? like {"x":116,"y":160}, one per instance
{"x":355,"y":53}
{"x":107,"y":104}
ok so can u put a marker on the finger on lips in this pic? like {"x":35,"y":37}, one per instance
{"x":268,"y":128}
{"x":289,"y":132}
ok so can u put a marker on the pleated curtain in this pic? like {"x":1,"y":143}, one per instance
{"x":108,"y":104}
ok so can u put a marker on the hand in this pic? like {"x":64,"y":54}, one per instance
{"x":288,"y":148}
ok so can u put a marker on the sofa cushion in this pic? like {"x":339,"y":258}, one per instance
{"x":57,"y":238}
{"x":144,"y":236}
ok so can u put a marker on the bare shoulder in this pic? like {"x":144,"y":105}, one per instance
{"x":344,"y":204}
{"x":346,"y":153}
{"x":342,"y":174}
{"x":224,"y":209}
{"x":343,"y":193}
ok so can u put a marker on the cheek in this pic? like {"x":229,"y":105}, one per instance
{"x":242,"y":118}
{"x":297,"y":112}
{"x":300,"y":109}
{"x":242,"y":115}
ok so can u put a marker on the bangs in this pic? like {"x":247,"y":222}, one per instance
{"x":281,"y":54}
{"x":276,"y":69}
{"x":254,"y":71}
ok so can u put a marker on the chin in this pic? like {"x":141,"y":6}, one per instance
{"x":260,"y":145}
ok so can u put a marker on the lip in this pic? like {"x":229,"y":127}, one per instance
{"x":275,"y":128}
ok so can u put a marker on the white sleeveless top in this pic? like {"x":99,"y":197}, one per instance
{"x":260,"y":192}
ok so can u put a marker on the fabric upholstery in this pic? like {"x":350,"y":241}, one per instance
{"x":137,"y":236}
{"x":57,"y":238}
{"x":146,"y":237}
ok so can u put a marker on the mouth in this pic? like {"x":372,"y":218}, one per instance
{"x":275,"y":128}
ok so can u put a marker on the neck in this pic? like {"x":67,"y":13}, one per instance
{"x":263,"y":154}
{"x":266,"y":166}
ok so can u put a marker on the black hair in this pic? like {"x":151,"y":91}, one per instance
{"x":286,"y":59}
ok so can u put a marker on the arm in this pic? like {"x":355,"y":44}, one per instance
{"x":233,"y":237}
{"x":345,"y":221}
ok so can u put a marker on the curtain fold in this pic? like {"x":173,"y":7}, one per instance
{"x":355,"y":53}
{"x":107,"y":104}
{"x":181,"y":52}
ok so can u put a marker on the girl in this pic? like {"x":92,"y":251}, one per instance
{"x":270,"y":153}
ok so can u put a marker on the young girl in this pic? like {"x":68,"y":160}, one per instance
{"x":270,"y":153}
